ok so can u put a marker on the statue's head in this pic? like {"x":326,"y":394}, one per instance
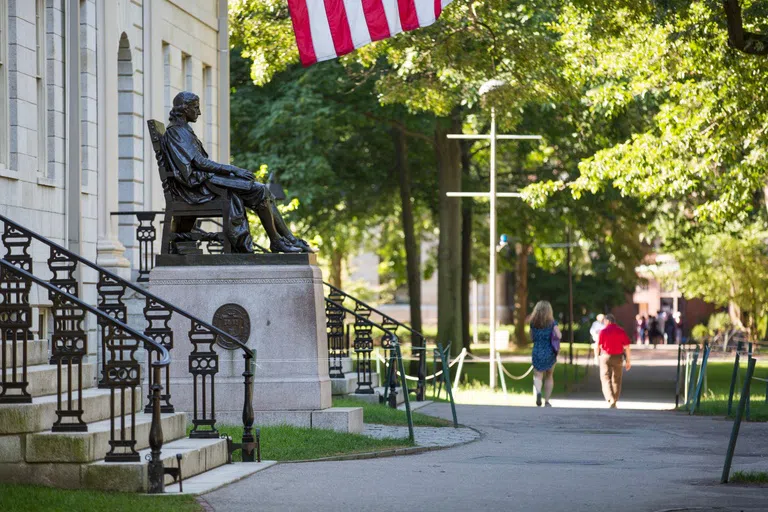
{"x":186,"y":107}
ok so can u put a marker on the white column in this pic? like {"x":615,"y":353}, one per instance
{"x":109,"y":251}
{"x":223,"y":52}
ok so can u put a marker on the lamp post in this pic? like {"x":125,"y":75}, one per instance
{"x":492,"y":195}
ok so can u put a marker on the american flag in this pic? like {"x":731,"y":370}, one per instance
{"x":326,"y":29}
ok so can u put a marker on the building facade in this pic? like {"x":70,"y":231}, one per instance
{"x":78,"y":80}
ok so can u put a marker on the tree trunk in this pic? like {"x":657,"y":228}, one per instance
{"x":466,"y":268}
{"x":448,"y":154}
{"x":466,"y":249}
{"x":747,"y":42}
{"x":521,"y":294}
{"x":335,"y":271}
{"x":412,"y":245}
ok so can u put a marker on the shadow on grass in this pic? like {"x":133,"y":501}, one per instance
{"x":30,"y":498}
{"x":749,"y":477}
{"x":381,"y":414}
{"x":286,"y":443}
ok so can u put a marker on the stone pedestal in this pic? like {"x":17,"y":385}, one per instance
{"x":283,"y":297}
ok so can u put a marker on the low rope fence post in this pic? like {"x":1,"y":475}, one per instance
{"x":737,"y":421}
{"x":501,"y":373}
{"x":447,"y":380}
{"x":689,"y":396}
{"x":734,"y":377}
{"x":749,"y":398}
{"x":702,"y":373}
{"x":461,"y":365}
{"x":677,"y":376}
{"x":404,"y":386}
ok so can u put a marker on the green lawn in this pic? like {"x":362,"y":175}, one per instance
{"x":715,"y":401}
{"x":384,"y":415}
{"x":749,"y":477}
{"x":284,"y":442}
{"x":28,"y":498}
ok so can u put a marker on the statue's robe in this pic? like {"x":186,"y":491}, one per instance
{"x":192,"y":171}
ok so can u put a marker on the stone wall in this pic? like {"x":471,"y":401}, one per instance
{"x":81,"y":77}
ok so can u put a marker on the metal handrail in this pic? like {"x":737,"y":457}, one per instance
{"x":360,"y":317}
{"x":166,"y":355}
{"x":387,"y":317}
{"x":398,"y":356}
{"x":129,"y":284}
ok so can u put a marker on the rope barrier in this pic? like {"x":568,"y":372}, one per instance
{"x":474,"y":359}
{"x":429,"y":377}
{"x":530,"y":369}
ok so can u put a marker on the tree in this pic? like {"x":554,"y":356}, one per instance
{"x":729,"y":268}
{"x":740,"y":39}
{"x":439,"y":70}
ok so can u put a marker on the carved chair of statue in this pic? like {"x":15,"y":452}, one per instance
{"x":181,"y":217}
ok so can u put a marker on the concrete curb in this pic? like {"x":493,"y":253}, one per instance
{"x":394,"y":452}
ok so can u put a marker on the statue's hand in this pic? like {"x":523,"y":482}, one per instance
{"x":244,"y":174}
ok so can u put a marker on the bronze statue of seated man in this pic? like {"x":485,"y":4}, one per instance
{"x":193,"y":171}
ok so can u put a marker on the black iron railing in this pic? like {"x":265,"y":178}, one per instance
{"x":146,"y":235}
{"x":111,"y":290}
{"x":363,"y":344}
{"x":69,"y":348}
{"x":396,"y":368}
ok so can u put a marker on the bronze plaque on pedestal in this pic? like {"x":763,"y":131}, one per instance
{"x":234,"y":320}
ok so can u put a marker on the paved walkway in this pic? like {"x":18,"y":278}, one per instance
{"x":531,"y":459}
{"x":424,"y":436}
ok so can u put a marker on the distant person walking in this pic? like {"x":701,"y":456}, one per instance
{"x":594,"y":331}
{"x":679,"y":327}
{"x":654,"y":331}
{"x":543,"y":331}
{"x":613,"y":346}
{"x":670,"y":329}
{"x":642,"y":326}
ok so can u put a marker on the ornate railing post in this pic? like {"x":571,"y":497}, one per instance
{"x":363,"y":348}
{"x":156,"y":470}
{"x":69,"y":343}
{"x":158,"y":318}
{"x":249,"y":442}
{"x":146,"y":234}
{"x":392,"y":374}
{"x":203,"y":362}
{"x":335,"y":328}
{"x":15,"y":318}
{"x":111,"y":293}
{"x":422,"y":373}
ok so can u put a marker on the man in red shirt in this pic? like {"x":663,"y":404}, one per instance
{"x":613,"y":345}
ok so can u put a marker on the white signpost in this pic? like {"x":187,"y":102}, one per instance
{"x":492,"y":195}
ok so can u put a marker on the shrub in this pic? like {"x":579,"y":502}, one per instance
{"x":699,"y":332}
{"x":719,"y":322}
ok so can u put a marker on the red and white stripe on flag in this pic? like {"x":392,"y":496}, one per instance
{"x":326,"y":29}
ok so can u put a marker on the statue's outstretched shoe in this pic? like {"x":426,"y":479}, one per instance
{"x":284,"y":245}
{"x":301,"y":244}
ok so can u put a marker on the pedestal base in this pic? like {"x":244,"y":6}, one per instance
{"x":283,"y":298}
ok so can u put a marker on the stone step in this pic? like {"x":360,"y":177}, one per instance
{"x":42,"y":378}
{"x":219,"y":477}
{"x":197,"y":456}
{"x":37,"y":353}
{"x":41,"y":413}
{"x":377,"y":396}
{"x":93,"y":445}
{"x":345,"y":386}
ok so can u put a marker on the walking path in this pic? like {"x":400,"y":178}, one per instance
{"x":567,"y":458}
{"x":424,"y":436}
